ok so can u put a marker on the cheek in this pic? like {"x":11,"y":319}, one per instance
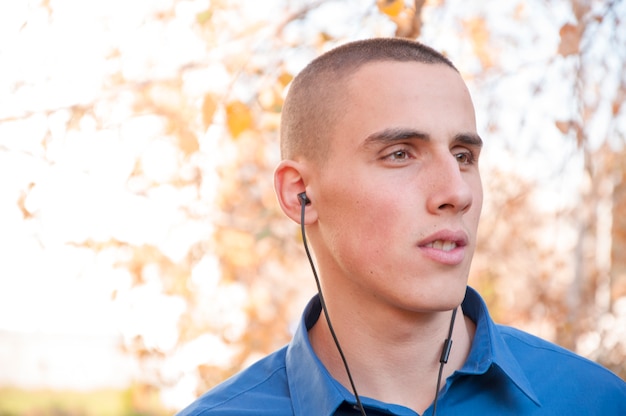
{"x":362,"y":212}
{"x":477,"y":204}
{"x":360,"y":221}
{"x":375,"y":223}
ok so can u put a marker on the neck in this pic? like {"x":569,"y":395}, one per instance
{"x":396,"y":363}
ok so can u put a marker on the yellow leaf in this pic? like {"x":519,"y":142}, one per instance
{"x":284,"y":79}
{"x":204,"y":17}
{"x":266,"y":98}
{"x":238,"y":118}
{"x":390,"y":7}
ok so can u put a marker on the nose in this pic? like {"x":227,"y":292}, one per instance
{"x":450,"y":190}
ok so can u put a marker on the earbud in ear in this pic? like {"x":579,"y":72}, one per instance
{"x":304,"y":200}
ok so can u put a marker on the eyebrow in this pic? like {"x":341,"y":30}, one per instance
{"x":391,"y":135}
{"x":471,"y":139}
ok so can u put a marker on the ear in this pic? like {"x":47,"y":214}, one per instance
{"x":288,"y":183}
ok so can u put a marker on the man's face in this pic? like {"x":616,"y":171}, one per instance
{"x":399,"y":198}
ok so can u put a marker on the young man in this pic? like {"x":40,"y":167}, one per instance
{"x":380,"y":160}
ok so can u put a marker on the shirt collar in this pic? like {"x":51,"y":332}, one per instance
{"x":489,"y":347}
{"x":314,"y":391}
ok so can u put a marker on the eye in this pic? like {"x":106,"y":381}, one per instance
{"x":465,"y":157}
{"x":397,"y":154}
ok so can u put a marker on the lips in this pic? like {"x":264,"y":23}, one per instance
{"x":445,"y":247}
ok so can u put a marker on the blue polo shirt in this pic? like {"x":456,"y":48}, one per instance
{"x":508,"y":372}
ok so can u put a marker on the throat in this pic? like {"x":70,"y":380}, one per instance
{"x":406,"y":373}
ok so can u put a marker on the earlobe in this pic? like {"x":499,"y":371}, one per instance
{"x":289,"y":184}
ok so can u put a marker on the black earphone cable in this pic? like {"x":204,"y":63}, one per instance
{"x":323,"y":303}
{"x":447,"y":345}
{"x":445,"y":354}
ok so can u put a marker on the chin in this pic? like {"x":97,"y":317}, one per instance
{"x":442,"y":301}
{"x":450,"y":297}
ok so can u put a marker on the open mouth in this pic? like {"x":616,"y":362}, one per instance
{"x":442,"y":245}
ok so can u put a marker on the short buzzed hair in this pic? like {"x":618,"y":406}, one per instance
{"x":316,"y":96}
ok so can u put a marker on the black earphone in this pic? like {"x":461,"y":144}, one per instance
{"x":304,"y":200}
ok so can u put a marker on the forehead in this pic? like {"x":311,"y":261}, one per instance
{"x":406,"y":80}
{"x":432,"y":98}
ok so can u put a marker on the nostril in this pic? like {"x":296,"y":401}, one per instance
{"x":458,"y":203}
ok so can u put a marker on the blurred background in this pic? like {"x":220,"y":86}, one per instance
{"x":143,"y":255}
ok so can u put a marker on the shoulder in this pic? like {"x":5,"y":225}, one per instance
{"x":550,"y":367}
{"x":535,"y":348}
{"x":261,"y":389}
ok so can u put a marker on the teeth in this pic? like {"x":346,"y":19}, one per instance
{"x":442,"y":245}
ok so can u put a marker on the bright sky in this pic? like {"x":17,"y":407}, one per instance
{"x":80,"y":192}
{"x":77,"y":187}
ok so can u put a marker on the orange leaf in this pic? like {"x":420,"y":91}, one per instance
{"x":209,"y":105}
{"x":390,"y":7}
{"x":619,"y":100}
{"x":236,"y":247}
{"x":238,"y":118}
{"x":188,"y":142}
{"x":563,"y":126}
{"x":478,"y":32}
{"x":570,"y":39}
